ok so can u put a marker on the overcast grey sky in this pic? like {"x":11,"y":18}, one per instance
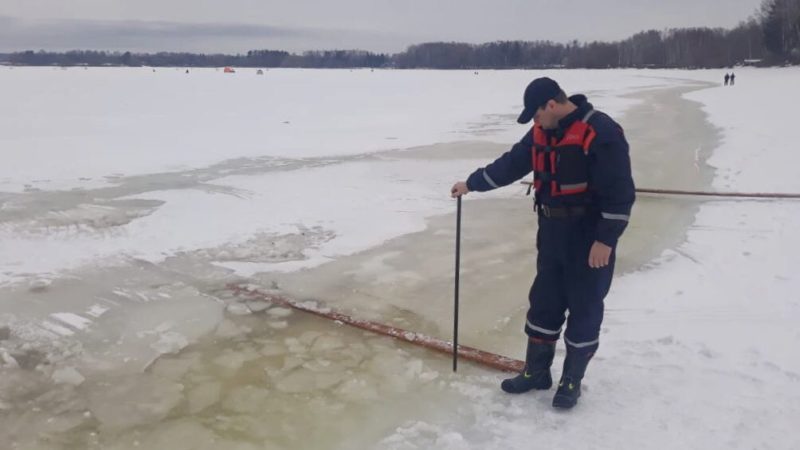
{"x":376,"y":25}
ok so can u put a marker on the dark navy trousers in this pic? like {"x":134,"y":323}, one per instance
{"x":565,"y":287}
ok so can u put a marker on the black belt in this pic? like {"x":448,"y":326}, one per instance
{"x":561,"y":212}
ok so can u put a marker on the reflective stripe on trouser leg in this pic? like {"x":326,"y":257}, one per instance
{"x":582,"y":344}
{"x":553,"y":334}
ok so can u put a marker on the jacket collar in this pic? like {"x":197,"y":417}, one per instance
{"x":583,"y":107}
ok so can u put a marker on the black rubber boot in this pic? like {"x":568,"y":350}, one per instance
{"x":536,"y":374}
{"x":569,"y":388}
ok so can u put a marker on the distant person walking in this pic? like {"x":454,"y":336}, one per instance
{"x":727,"y":77}
{"x":733,"y":78}
{"x":584,"y":194}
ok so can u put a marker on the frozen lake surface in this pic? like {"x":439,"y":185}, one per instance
{"x":130,"y":197}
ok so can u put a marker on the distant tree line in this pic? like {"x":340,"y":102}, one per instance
{"x":254,"y":58}
{"x":770,"y":37}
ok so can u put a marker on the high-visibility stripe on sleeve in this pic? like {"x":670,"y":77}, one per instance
{"x":489,"y":179}
{"x":610,"y":216}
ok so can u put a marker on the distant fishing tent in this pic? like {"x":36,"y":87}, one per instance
{"x":229,"y":70}
{"x":260,"y":72}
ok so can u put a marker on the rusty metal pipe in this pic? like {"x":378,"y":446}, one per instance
{"x":488,"y":359}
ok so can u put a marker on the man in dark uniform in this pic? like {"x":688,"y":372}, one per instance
{"x":584,"y":194}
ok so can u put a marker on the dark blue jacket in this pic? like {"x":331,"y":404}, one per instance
{"x":611,"y":189}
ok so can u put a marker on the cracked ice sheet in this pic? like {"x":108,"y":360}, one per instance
{"x":415,"y":109}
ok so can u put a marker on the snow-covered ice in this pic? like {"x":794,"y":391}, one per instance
{"x":129,"y":198}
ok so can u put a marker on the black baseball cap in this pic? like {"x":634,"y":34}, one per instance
{"x":538,"y":92}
